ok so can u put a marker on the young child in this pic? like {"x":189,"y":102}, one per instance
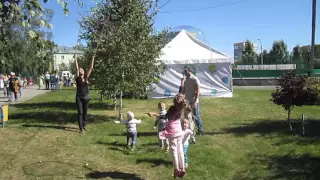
{"x":174,"y":133}
{"x":188,"y":114}
{"x":187,"y":133}
{"x":160,"y":124}
{"x":131,"y":129}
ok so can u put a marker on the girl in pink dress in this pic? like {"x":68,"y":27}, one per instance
{"x":174,"y":133}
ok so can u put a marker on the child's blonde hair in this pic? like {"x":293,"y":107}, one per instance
{"x":130,"y":115}
{"x":162,"y":105}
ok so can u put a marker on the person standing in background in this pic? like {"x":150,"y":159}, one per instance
{"x":191,"y":90}
{"x":47,"y":79}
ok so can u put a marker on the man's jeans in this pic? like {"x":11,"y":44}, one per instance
{"x":196,"y":114}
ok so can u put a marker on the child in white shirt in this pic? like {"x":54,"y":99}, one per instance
{"x":160,"y":124}
{"x":185,"y":141}
{"x":131,"y":124}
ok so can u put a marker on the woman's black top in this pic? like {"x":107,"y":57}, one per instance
{"x":82,"y":88}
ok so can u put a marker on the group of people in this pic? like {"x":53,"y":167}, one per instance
{"x":13,"y":85}
{"x":52,"y":82}
{"x":175,"y":126}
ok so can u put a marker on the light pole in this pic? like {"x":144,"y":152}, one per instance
{"x":313,"y":32}
{"x":261,"y":55}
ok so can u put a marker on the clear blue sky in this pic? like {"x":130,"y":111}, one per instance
{"x":268,"y":20}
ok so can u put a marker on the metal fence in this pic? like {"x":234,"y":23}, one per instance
{"x":266,"y":67}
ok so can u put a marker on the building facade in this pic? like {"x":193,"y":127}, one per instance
{"x":64,"y":55}
{"x":239,"y":48}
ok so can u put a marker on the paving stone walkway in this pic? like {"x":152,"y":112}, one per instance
{"x":27,"y":94}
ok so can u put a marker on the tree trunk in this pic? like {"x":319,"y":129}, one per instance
{"x":289,"y":120}
{"x":120,"y":107}
{"x":115,"y":102}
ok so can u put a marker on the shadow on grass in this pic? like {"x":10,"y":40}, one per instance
{"x":276,"y":126}
{"x":52,"y":127}
{"x":291,"y":167}
{"x":52,"y":168}
{"x":113,"y":175}
{"x":64,"y":105}
{"x":304,"y":167}
{"x":56,"y":117}
{"x":154,"y":162}
{"x":122,"y":147}
{"x":214,"y":133}
{"x":145,"y":134}
{"x":114,"y":144}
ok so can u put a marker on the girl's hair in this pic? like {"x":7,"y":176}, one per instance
{"x":180,"y":102}
{"x":177,"y":110}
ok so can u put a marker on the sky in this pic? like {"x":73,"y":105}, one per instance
{"x":227,"y":22}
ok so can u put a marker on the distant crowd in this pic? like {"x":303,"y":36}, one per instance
{"x":13,"y":85}
{"x":54,"y":81}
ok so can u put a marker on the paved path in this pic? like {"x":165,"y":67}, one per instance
{"x":27,"y":94}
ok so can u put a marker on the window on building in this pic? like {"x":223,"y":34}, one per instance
{"x":62,"y":57}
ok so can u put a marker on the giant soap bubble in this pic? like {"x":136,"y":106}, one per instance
{"x":195,"y":32}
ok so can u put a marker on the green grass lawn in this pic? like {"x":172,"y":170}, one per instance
{"x":246,"y":138}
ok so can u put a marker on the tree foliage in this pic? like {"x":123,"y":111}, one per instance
{"x":294,"y":91}
{"x":126,"y":58}
{"x":21,"y":53}
{"x":249,"y":55}
{"x":279,"y":53}
{"x":302,"y":56}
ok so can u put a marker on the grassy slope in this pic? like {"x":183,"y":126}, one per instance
{"x":246,"y":138}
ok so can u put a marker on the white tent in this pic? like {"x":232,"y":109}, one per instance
{"x":212,"y":67}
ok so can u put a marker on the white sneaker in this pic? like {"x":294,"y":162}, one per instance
{"x":186,"y":165}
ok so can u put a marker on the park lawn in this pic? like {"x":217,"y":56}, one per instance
{"x":246,"y":138}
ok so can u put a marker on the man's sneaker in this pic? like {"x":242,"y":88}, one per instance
{"x":186,"y":165}
{"x":200,"y":133}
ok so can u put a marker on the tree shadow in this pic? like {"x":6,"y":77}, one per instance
{"x":64,"y":105}
{"x":265,"y":127}
{"x":144,"y":134}
{"x":73,"y":129}
{"x":113,"y":175}
{"x":295,"y":167}
{"x":154,"y":162}
{"x":214,"y":133}
{"x":56,"y":117}
{"x":114,"y":144}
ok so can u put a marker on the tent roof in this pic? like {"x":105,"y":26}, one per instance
{"x":183,"y":48}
